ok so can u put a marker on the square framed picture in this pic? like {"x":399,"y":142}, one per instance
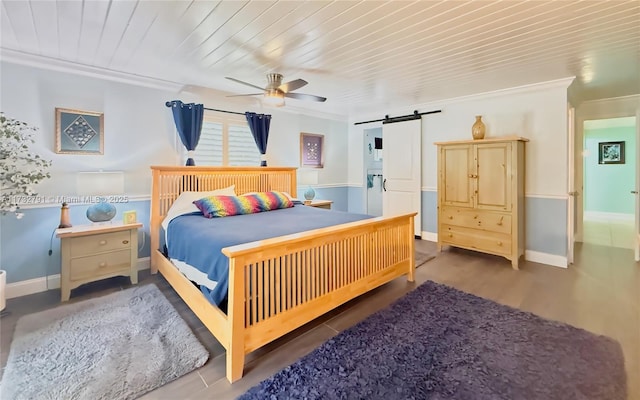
{"x":79,"y":132}
{"x":311,"y":150}
{"x":129,"y":217}
{"x":611,"y":153}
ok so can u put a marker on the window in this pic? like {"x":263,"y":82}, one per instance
{"x":226,"y":142}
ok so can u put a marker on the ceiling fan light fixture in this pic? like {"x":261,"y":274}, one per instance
{"x":274,"y":98}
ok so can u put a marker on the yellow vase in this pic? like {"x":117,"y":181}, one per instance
{"x":478,"y":128}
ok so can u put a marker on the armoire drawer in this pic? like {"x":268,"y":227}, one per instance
{"x":492,"y":242}
{"x":93,"y":244}
{"x":477,"y":219}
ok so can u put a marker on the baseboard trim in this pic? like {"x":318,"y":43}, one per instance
{"x":37,"y":285}
{"x":607,"y":216}
{"x":546,"y":258}
{"x":430,"y":236}
{"x":144,"y":263}
{"x":529,"y":255}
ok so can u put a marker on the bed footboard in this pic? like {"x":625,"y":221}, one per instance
{"x":278,"y":285}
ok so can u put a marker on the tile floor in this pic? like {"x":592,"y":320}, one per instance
{"x":609,"y":232}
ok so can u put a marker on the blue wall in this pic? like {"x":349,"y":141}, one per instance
{"x":357,"y":200}
{"x":545,"y":220}
{"x":24,"y":243}
{"x":546,"y":225}
{"x":430,"y":211}
{"x":339,"y":195}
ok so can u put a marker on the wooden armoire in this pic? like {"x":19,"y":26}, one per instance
{"x":481,"y":195}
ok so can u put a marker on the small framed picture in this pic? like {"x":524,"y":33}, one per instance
{"x":129,"y":217}
{"x":611,"y":153}
{"x":79,"y":132}
{"x":311,"y":150}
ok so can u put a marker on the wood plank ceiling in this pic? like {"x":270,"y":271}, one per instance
{"x":361,"y":55}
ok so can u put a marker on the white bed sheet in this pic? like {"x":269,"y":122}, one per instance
{"x":184,"y":205}
{"x":193,"y":274}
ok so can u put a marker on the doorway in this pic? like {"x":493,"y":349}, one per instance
{"x":609,"y":182}
{"x":617,"y":109}
{"x":373,"y":170}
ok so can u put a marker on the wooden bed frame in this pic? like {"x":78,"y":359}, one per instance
{"x":277,"y":285}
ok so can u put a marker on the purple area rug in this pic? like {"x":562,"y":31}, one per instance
{"x":441,"y":343}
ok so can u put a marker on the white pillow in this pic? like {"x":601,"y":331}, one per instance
{"x":184,"y":203}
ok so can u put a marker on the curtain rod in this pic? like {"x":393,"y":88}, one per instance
{"x":168,"y":104}
{"x":401,"y":118}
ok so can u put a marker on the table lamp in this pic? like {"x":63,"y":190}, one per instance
{"x":100,"y":185}
{"x":308,"y":177}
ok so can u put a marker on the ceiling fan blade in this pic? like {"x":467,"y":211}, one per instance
{"x":293,"y":85}
{"x":240,"y":95}
{"x":244,"y":83}
{"x":301,"y":96}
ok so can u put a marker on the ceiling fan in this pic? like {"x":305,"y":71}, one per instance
{"x":276,"y":91}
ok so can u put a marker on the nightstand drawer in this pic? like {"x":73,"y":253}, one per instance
{"x":93,"y":244}
{"x":326,"y":204}
{"x":101,"y":264}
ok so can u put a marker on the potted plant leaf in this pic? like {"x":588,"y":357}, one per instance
{"x":20,"y":170}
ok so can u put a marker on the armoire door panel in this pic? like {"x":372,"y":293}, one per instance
{"x":458,"y":166}
{"x":493,"y":181}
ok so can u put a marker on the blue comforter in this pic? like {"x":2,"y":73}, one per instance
{"x":198,"y":241}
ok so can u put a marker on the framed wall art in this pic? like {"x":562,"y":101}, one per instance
{"x":79,"y":132}
{"x":611,"y":153}
{"x":311,"y":150}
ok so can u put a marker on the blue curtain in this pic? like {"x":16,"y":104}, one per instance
{"x":188,"y":119}
{"x":259,"y":125}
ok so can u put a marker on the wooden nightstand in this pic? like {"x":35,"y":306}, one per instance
{"x":321,"y":204}
{"x":93,"y":252}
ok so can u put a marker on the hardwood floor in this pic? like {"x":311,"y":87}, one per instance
{"x":599,"y":293}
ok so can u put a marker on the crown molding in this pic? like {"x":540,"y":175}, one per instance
{"x":54,"y":64}
{"x":612,"y":107}
{"x":439,"y":104}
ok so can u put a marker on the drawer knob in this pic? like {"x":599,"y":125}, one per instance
{"x":451,"y":235}
{"x":499,"y":243}
{"x":125,"y":242}
{"x":500,"y":222}
{"x":102,"y":242}
{"x":102,"y":264}
{"x":475,"y":217}
{"x":450,"y":216}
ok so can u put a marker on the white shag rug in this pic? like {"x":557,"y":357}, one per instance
{"x":118,"y":346}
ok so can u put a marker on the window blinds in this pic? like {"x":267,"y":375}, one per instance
{"x":226,"y":144}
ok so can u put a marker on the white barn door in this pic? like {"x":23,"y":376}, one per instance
{"x":402,"y":169}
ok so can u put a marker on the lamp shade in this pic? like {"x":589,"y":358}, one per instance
{"x":308,"y":176}
{"x":100,"y":183}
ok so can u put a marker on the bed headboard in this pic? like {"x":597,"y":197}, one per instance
{"x":169,"y":181}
